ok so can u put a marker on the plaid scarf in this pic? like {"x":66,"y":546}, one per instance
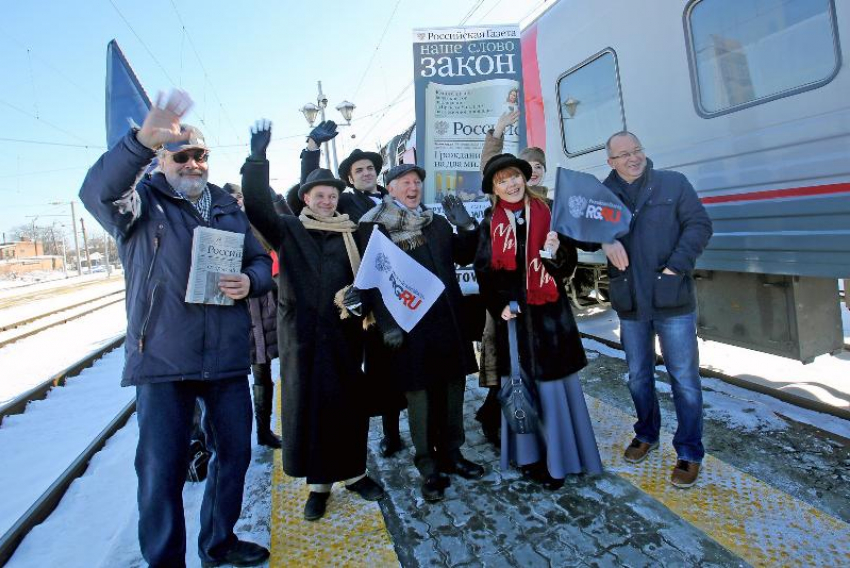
{"x":404,"y":226}
{"x":202,"y":205}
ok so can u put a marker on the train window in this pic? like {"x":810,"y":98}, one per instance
{"x":746,"y":52}
{"x":590,"y":104}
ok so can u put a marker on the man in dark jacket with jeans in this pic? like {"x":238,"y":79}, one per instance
{"x":652,"y":289}
{"x":176,"y":351}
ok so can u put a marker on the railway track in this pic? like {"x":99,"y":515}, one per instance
{"x":47,"y":502}
{"x":111,"y":298}
{"x":9,"y":299}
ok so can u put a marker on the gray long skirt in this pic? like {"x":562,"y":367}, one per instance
{"x":565,"y":440}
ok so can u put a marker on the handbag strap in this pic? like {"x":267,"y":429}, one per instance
{"x":512,"y":342}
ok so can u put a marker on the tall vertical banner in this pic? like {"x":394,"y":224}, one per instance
{"x":465,"y":79}
{"x":127,"y":103}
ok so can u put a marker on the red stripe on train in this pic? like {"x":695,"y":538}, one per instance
{"x":535,"y":122}
{"x":780,"y":193}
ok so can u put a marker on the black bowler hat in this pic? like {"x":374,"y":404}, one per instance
{"x":500,"y":162}
{"x":402,"y":169}
{"x":357,"y":155}
{"x":319,"y":176}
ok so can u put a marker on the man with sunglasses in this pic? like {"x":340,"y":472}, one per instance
{"x":177,"y":352}
{"x":651,"y":287}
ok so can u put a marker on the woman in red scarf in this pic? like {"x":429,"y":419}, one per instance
{"x":520,"y":260}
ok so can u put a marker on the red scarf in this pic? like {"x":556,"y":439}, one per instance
{"x":540,"y":287}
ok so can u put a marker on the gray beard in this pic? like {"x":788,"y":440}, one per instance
{"x":189,"y":188}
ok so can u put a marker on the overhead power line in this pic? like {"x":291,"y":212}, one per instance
{"x":59,"y":72}
{"x":41,"y":120}
{"x":375,"y":51}
{"x":204,"y":69}
{"x":46,"y":143}
{"x":43,"y":172}
{"x":471,"y":12}
{"x":138,"y":37}
{"x":487,"y":13}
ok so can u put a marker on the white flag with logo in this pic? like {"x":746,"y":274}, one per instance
{"x":407,"y":288}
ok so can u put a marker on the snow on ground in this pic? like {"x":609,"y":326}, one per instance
{"x":95,"y":525}
{"x":38,"y":445}
{"x":824,"y":380}
{"x":34,"y":277}
{"x":33,"y":360}
{"x":740,"y":408}
{"x":41,"y":306}
{"x":14,"y":287}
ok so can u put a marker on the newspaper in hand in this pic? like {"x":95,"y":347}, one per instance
{"x":214,"y":252}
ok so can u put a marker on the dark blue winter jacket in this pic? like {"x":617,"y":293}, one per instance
{"x":670,"y":229}
{"x":168,"y":339}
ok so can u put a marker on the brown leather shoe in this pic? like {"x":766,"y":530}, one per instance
{"x":685,"y":474}
{"x":637,"y":451}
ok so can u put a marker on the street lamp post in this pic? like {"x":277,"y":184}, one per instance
{"x":310,"y":111}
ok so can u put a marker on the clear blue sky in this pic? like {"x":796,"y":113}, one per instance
{"x":254,"y":59}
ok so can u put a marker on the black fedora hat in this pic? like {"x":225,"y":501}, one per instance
{"x":402,"y":169}
{"x":355,"y":156}
{"x":500,"y":162}
{"x":320,"y":176}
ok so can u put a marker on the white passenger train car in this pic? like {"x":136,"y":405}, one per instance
{"x":751,"y":101}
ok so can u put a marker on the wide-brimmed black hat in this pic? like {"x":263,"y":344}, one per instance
{"x":357,"y":155}
{"x":320,"y":176}
{"x":500,"y":162}
{"x":402,"y":169}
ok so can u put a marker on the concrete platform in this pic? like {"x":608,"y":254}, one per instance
{"x":774,"y":492}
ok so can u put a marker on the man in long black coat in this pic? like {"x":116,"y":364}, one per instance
{"x":360,"y":172}
{"x":435,"y":355}
{"x":324,"y":424}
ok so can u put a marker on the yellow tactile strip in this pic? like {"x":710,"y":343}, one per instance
{"x":352,"y":532}
{"x":757,"y":522}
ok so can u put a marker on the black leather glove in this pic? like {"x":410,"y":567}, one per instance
{"x":326,"y":130}
{"x":261,"y":135}
{"x":456,"y":213}
{"x":393,"y":338}
{"x":352,"y":302}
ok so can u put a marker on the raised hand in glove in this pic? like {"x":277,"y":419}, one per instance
{"x":261,"y":135}
{"x":393,"y":338}
{"x":326,"y":130}
{"x":456,"y":213}
{"x":352,"y":302}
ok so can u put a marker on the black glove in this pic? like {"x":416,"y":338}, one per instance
{"x":352,"y":302}
{"x":326,"y":130}
{"x":456,"y":213}
{"x":261,"y":135}
{"x":393,"y":338}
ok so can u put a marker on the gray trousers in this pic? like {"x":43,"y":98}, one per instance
{"x":436,"y":424}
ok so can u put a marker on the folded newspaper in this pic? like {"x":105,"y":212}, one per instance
{"x":214,"y":252}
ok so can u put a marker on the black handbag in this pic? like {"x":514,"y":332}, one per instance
{"x":517,"y":396}
{"x":199,"y":459}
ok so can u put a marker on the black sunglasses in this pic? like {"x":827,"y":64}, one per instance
{"x":200,"y":156}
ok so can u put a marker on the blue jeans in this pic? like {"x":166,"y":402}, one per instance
{"x":165,"y":412}
{"x":678,"y":339}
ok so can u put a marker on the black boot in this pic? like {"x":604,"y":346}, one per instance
{"x":263,"y":414}
{"x":242,"y":553}
{"x":391,"y":442}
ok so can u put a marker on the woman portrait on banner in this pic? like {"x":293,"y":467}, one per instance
{"x":511,"y":101}
{"x":520,"y":260}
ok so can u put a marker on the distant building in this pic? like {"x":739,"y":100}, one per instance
{"x":26,"y":256}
